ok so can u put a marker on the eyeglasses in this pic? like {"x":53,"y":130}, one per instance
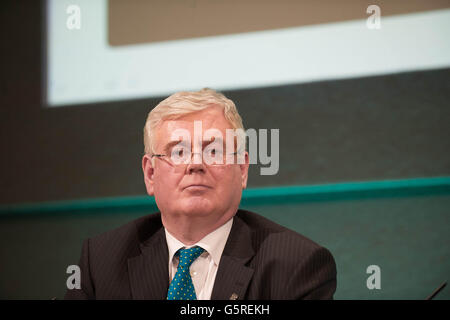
{"x":212,"y":158}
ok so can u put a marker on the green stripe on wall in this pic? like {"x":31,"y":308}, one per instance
{"x":323,"y":192}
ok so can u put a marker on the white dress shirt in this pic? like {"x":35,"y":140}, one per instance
{"x":204,"y":268}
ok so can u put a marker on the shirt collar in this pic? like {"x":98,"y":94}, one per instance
{"x":213,"y":243}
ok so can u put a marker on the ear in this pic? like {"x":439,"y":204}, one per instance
{"x":244,"y":170}
{"x":148,"y":170}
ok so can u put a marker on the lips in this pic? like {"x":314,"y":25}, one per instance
{"x":197,"y":186}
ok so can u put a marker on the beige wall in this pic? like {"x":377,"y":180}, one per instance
{"x":138,"y":21}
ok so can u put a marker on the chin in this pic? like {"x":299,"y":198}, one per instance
{"x":197,"y":206}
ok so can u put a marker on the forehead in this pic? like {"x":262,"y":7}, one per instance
{"x":211,"y":118}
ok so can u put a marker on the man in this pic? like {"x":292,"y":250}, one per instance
{"x":200,"y":245}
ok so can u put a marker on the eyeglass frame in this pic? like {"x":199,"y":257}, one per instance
{"x":160,"y":156}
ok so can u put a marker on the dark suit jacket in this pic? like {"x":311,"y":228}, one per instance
{"x":261,"y":260}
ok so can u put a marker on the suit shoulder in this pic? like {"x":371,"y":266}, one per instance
{"x":131,"y":233}
{"x":269,"y":233}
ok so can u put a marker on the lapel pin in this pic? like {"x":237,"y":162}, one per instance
{"x":234,"y":296}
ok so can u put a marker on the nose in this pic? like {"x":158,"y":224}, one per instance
{"x":196,"y":164}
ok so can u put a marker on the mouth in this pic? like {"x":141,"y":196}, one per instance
{"x":194,"y":187}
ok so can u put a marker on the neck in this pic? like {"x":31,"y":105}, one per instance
{"x":190,"y":230}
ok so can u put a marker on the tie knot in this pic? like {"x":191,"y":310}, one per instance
{"x":187,"y":256}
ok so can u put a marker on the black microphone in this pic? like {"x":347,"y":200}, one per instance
{"x":437,"y":291}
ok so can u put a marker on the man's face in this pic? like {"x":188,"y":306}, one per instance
{"x":195,"y":189}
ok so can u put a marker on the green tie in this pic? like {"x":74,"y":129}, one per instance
{"x":181,"y":287}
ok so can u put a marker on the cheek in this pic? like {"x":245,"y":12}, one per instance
{"x":228,"y":179}
{"x":166,"y":182}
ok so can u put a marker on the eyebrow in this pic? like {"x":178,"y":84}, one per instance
{"x":168,"y":146}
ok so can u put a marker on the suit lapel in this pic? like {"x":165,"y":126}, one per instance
{"x":233,"y":276}
{"x":148,"y":272}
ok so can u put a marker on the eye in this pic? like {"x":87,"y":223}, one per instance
{"x":214,"y":150}
{"x":178,"y":152}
